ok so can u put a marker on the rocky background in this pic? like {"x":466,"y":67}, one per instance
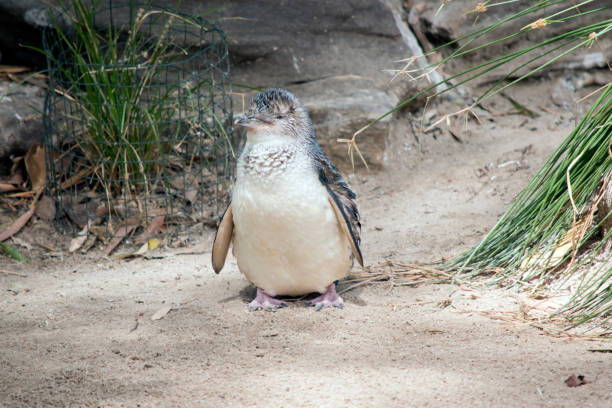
{"x":331,"y":54}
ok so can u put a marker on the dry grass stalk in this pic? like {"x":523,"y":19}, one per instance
{"x":398,"y":273}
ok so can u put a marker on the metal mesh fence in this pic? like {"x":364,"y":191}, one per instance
{"x":138,"y":120}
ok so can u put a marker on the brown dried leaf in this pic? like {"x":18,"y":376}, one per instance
{"x":121,"y":233}
{"x":78,"y":241}
{"x":81,"y":210}
{"x":91,"y":240}
{"x":575,"y":381}
{"x":35,"y":165}
{"x":17,"y":225}
{"x":25,"y":194}
{"x":142,"y":250}
{"x":17,"y":172}
{"x":155,"y":227}
{"x":149,"y":245}
{"x":76,"y":179}
{"x":132,"y":254}
{"x":45,"y":209}
{"x":13,"y":69}
{"x":191,"y":195}
{"x":5,"y":188}
{"x":101,"y":210}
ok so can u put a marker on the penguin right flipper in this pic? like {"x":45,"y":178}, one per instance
{"x":223,"y":238}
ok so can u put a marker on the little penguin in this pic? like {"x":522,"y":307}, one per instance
{"x":293,"y":220}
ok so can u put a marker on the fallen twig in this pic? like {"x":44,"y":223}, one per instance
{"x":17,"y":225}
{"x":21,"y":275}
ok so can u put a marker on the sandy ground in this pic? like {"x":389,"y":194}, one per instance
{"x":76,"y":330}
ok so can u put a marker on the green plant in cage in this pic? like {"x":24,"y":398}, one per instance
{"x":111,"y":81}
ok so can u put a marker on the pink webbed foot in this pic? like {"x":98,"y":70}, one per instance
{"x":329,"y":299}
{"x":265,"y":302}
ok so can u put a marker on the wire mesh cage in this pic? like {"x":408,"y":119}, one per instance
{"x":138,"y":119}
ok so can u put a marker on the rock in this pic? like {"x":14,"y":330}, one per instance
{"x":309,"y":47}
{"x":565,"y":93}
{"x":452,"y":21}
{"x":20,"y":118}
{"x":276,"y":43}
{"x":331,"y":55}
{"x":339,"y":107}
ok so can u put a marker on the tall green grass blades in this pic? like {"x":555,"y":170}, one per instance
{"x":131,"y":112}
{"x":539,"y":240}
{"x":553,"y":219}
{"x":111,"y":80}
{"x":544,"y":212}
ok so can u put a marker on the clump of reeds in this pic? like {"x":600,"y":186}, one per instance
{"x":537,"y":241}
{"x":112,"y":78}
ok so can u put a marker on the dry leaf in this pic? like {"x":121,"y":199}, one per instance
{"x":17,"y":172}
{"x":554,"y":257}
{"x":191,"y":195}
{"x":5,"y":188}
{"x":13,"y":69}
{"x":17,"y":225}
{"x":76,"y":179}
{"x":77,"y":242}
{"x":142,"y":250}
{"x":91,"y":240}
{"x":153,"y":244}
{"x":101,"y":210}
{"x":121,"y":233}
{"x":45,"y":209}
{"x":139,"y":252}
{"x":25,"y":194}
{"x":35,"y":165}
{"x":155,"y":226}
{"x":161,"y":313}
{"x":454,"y":130}
{"x":575,"y":381}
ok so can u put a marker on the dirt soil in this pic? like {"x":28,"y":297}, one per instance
{"x":77,"y":330}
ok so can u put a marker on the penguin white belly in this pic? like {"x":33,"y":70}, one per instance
{"x":287,"y":240}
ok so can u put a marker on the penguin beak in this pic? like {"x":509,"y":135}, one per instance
{"x":245,"y":121}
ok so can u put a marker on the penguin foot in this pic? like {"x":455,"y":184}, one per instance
{"x":265,"y":302}
{"x":328,"y":299}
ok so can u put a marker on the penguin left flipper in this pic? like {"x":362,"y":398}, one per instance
{"x":341,"y":199}
{"x":223,"y":238}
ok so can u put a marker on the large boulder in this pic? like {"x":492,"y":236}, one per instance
{"x":339,"y":107}
{"x":331,"y":54}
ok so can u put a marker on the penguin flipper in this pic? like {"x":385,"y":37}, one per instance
{"x":223,"y":238}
